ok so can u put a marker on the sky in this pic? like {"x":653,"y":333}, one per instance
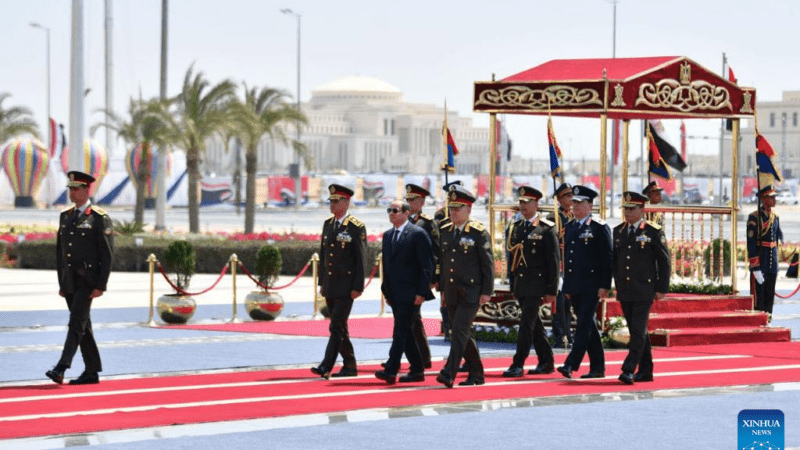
{"x":432,"y":51}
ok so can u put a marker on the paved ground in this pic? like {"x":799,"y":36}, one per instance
{"x":32,"y":326}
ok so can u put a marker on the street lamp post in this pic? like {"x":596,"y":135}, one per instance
{"x":47,"y":120}
{"x":298,"y":183}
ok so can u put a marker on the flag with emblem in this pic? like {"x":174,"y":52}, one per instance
{"x":657,"y":166}
{"x":555,"y":152}
{"x":765,"y":162}
{"x":450,"y":149}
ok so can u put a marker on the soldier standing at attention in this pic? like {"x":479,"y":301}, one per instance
{"x":84,"y":254}
{"x":466,"y":281}
{"x":763,"y":234}
{"x":653,"y":193}
{"x":343,"y":254}
{"x":534,"y":262}
{"x":587,"y":277}
{"x":641,"y":274}
{"x":562,"y":318}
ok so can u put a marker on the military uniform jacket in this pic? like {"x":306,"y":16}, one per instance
{"x":84,"y":247}
{"x":467,"y":263}
{"x":343,"y":257}
{"x":655,"y":217}
{"x":565,"y":216}
{"x":427,"y":223}
{"x":762,"y":244}
{"x":534,"y":250}
{"x":641,"y":262}
{"x":587,"y":257}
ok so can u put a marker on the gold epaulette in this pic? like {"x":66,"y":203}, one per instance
{"x":448,"y":224}
{"x":474,"y":224}
{"x":653,"y":224}
{"x":99,"y":210}
{"x":354,"y":220}
{"x":547,"y":222}
{"x":70,"y":209}
{"x":425,"y":216}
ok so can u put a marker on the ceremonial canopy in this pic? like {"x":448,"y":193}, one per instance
{"x":667,"y":87}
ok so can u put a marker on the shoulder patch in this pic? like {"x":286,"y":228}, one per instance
{"x":477,"y":225}
{"x":354,"y":220}
{"x":99,"y":210}
{"x":653,"y":224}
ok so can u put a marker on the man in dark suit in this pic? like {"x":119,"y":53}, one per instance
{"x":587,"y":277}
{"x":84,"y":254}
{"x":343,"y":254}
{"x":562,"y":317}
{"x":466,"y":281}
{"x":641,"y":274}
{"x":407,"y":265}
{"x":535,"y":258}
{"x":415,"y":196}
{"x":763,"y":235}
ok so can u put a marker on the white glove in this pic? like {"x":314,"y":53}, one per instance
{"x":560,"y":283}
{"x":758,"y":276}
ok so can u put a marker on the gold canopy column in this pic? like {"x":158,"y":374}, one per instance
{"x":492,"y":167}
{"x":734,"y":200}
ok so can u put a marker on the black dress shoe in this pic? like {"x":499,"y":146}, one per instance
{"x":566,"y":371}
{"x":641,"y":377}
{"x":412,"y":378}
{"x":345,"y":373}
{"x":56,"y":374}
{"x":626,"y":378}
{"x":594,"y":375}
{"x":321,"y":371}
{"x":463,"y":368}
{"x":513,"y":372}
{"x":472,"y":381}
{"x":387,"y":377}
{"x":445,"y":380}
{"x":428,"y":364}
{"x":86,"y":378}
{"x":542,"y":369}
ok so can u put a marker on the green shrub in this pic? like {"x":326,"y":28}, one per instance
{"x":180,"y":257}
{"x":711,"y":257}
{"x":128,"y":228}
{"x":268,"y":264}
{"x":705,"y":289}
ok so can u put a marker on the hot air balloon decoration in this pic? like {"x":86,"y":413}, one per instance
{"x":95,"y":162}
{"x":132,"y":162}
{"x":25,"y":162}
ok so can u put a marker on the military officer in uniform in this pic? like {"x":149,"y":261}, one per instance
{"x":641,"y":275}
{"x":84,"y":254}
{"x":763,"y":234}
{"x":343,"y":255}
{"x":439,"y":219}
{"x":466,"y":281}
{"x":587,"y":277}
{"x":415,"y":196}
{"x":653,"y":193}
{"x":535,"y":259}
{"x":562,"y":318}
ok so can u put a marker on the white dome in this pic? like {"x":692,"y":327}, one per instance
{"x":356,"y":84}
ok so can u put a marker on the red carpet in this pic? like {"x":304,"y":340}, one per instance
{"x":368,"y":328}
{"x":46,"y":410}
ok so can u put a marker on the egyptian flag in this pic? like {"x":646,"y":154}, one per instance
{"x":765,"y":162}
{"x":57,"y":139}
{"x":657,"y":166}
{"x":732,"y":79}
{"x":555,"y":152}
{"x":665,"y":149}
{"x":452,"y":150}
{"x":683,"y":140}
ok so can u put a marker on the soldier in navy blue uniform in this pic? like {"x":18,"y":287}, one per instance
{"x":654,"y":195}
{"x":763,"y":234}
{"x":84,"y":254}
{"x":535,"y":259}
{"x":641,"y":275}
{"x":587,"y":277}
{"x":343,"y":255}
{"x":562,"y":318}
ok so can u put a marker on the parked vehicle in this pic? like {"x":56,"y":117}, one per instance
{"x":692,"y":196}
{"x":786,"y":198}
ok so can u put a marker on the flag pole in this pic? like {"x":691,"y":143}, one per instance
{"x":445,"y":166}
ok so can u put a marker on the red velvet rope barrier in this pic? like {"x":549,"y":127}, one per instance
{"x":181,"y":291}
{"x":790,"y":295}
{"x":274,"y":288}
{"x":372,"y":275}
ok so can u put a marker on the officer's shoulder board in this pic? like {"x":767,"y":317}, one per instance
{"x":653,"y":224}
{"x":475,"y":224}
{"x":425,"y":216}
{"x":68,"y":210}
{"x":446,"y":225}
{"x":354,"y":220}
{"x":99,"y":210}
{"x":598,"y":220}
{"x":547,"y":222}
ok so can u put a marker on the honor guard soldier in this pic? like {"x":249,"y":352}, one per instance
{"x":654,"y":194}
{"x":562,"y":317}
{"x":763,"y":234}
{"x":440,"y":219}
{"x":587,"y":277}
{"x":466,"y":281}
{"x":535,"y":260}
{"x":415,"y":196}
{"x":343,"y":255}
{"x":641,"y":275}
{"x":84,"y":254}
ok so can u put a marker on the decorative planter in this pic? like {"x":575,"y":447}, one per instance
{"x":263,"y":305}
{"x":176,"y":309}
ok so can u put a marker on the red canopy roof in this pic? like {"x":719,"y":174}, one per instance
{"x":623,"y":88}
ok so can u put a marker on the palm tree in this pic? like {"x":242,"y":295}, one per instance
{"x":15,"y":120}
{"x":150,"y":124}
{"x":202,"y":113}
{"x":263,"y":113}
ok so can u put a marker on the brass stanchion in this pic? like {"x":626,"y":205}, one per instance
{"x":151,"y":261}
{"x":315,"y":275}
{"x":379,"y":262}
{"x":234,"y":262}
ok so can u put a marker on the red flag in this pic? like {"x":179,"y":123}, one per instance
{"x":683,"y":140}
{"x":731,"y":76}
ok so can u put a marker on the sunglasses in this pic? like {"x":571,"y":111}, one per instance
{"x":393,"y":210}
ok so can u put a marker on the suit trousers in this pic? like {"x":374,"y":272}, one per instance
{"x":339,"y":341}
{"x":586,"y":338}
{"x":765,"y":292}
{"x":531,"y":330}
{"x":79,"y":332}
{"x":418,"y":330}
{"x":640,"y":353}
{"x":562,"y":320}
{"x":462,"y":343}
{"x":403,"y":341}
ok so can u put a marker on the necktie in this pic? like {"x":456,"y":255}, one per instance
{"x":630,"y":231}
{"x":396,"y":235}
{"x":457,"y":233}
{"x":76,"y":215}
